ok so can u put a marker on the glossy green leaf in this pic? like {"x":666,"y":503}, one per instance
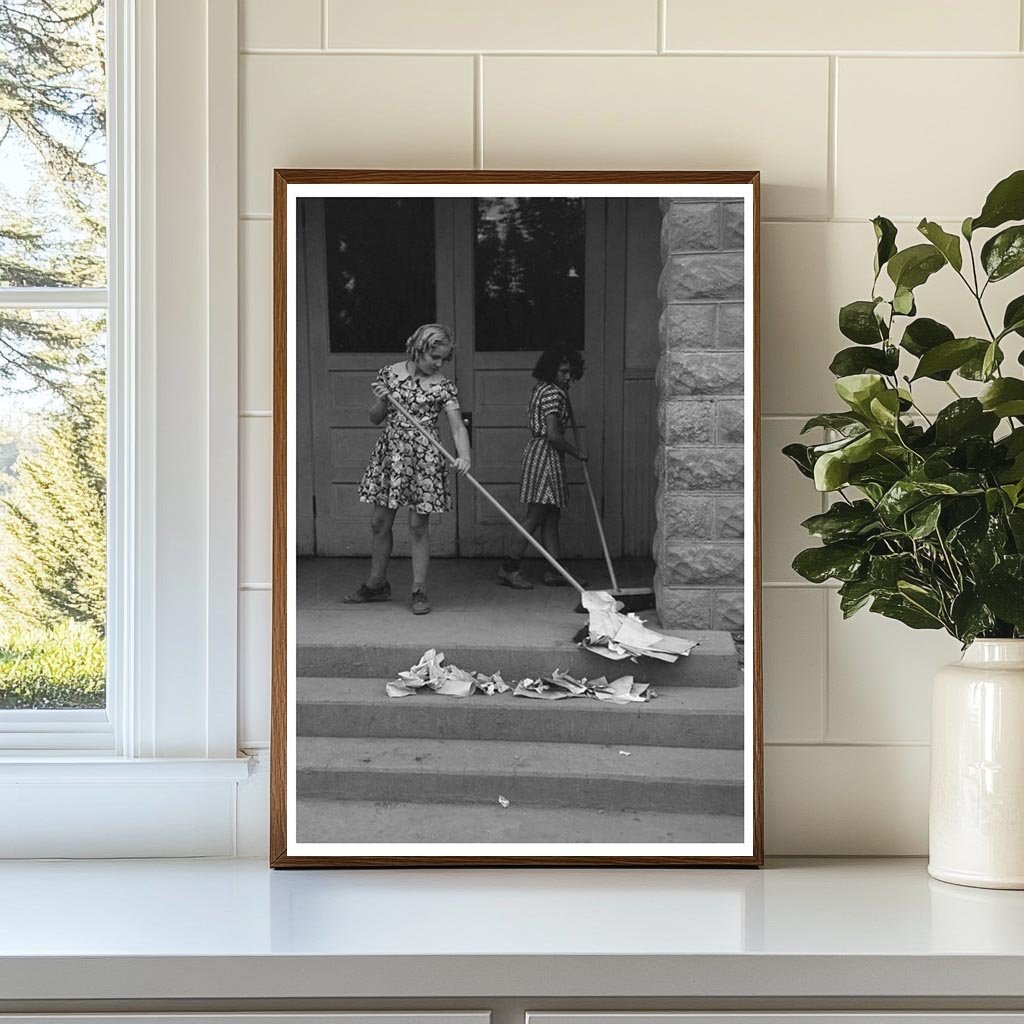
{"x":1006,"y":599}
{"x":925,"y":518}
{"x":841,"y":421}
{"x":885,"y":238}
{"x":966,"y":229}
{"x":887,"y":570}
{"x":974,"y":368}
{"x":971,"y":617}
{"x":904,"y":495}
{"x":990,"y":360}
{"x":947,"y":244}
{"x":885,"y":409}
{"x":831,"y":471}
{"x":911,"y":267}
{"x":799,"y":455}
{"x":923,"y":335}
{"x":841,"y":561}
{"x":1005,"y":202}
{"x":1013,"y":317}
{"x":842,"y":521}
{"x":858,"y":389}
{"x":966,"y":417}
{"x":850,"y":361}
{"x":950,"y":355}
{"x":1004,"y":397}
{"x":857,"y":321}
{"x":903,"y":302}
{"x":1003,"y":254}
{"x":855,"y":594}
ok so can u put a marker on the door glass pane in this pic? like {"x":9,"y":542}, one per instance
{"x":380,"y":271}
{"x":53,"y":451}
{"x":529,"y":264}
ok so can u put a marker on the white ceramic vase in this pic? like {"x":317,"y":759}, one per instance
{"x":976,"y":812}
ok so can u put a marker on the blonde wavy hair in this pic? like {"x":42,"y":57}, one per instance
{"x":429,"y":337}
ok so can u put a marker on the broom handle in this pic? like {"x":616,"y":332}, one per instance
{"x":593,"y":501}
{"x":480,"y":487}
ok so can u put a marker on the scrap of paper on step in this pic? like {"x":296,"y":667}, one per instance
{"x":616,"y":636}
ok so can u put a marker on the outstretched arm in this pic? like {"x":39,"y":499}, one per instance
{"x":460,"y":435}
{"x":379,"y":409}
{"x":558,"y":440}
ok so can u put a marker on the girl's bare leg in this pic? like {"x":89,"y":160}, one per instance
{"x":534,"y":517}
{"x":419,"y":543}
{"x":381,"y":543}
{"x":549,"y":532}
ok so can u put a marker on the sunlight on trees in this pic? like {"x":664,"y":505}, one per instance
{"x":53,"y":212}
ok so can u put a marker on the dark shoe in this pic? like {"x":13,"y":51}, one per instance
{"x":418,"y":603}
{"x":514,"y":578}
{"x":554,"y":579}
{"x":365,"y":594}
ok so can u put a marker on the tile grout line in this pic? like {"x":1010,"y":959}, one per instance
{"x":1020,"y":25}
{"x":323,"y":24}
{"x":826,"y":710}
{"x":851,"y":744}
{"x":768,"y":55}
{"x":662,"y":41}
{"x":478,"y":111}
{"x":831,"y":171}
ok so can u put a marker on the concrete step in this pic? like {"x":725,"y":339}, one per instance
{"x":331,"y":821}
{"x":359,"y":652}
{"x":678,"y":717}
{"x":673,"y":779}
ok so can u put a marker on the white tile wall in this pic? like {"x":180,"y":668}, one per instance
{"x":471,"y":25}
{"x":919,"y":123}
{"x":697,"y":113}
{"x":871,"y":25}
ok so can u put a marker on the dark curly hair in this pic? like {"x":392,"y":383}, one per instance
{"x":550,"y":360}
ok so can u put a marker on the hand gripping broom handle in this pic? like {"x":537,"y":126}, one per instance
{"x":593,"y":501}
{"x":476,"y":483}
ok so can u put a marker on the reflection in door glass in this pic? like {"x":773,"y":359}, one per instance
{"x":380,"y":271}
{"x":529,"y":264}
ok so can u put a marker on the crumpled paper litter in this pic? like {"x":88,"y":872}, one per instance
{"x":616,"y":636}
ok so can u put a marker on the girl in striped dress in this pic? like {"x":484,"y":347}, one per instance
{"x":543,"y":488}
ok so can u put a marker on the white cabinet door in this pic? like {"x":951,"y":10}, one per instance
{"x":360,"y":1017}
{"x":932,"y":1017}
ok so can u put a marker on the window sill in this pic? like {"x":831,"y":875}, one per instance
{"x":75,"y":766}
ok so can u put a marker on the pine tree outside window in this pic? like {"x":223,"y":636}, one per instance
{"x":53,"y":366}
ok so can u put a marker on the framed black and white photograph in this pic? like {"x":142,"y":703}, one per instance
{"x":516,"y":524}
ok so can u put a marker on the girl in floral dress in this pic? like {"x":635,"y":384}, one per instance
{"x":405,"y":469}
{"x":543,"y":488}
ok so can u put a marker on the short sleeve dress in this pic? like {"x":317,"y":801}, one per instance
{"x":404,"y":468}
{"x":543,"y":480}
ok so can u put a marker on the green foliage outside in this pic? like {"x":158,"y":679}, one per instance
{"x":928,"y":522}
{"x":60,"y":667}
{"x":52,"y":365}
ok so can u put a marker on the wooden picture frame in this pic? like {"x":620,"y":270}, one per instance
{"x":654,"y":277}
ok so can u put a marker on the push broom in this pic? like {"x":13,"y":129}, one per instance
{"x":401,"y":409}
{"x":668,"y":649}
{"x":634,"y":599}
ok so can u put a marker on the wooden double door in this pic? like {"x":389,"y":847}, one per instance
{"x":502,"y":316}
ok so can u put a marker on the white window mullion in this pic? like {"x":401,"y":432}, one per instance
{"x":53,"y":298}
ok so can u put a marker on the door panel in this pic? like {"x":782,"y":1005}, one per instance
{"x":340,"y":374}
{"x":495,"y":376}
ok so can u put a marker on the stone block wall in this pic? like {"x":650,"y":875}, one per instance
{"x":698,"y":543}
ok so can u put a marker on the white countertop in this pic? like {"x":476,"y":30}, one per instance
{"x":234,"y":929}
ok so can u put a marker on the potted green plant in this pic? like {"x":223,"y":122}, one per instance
{"x":927,"y":521}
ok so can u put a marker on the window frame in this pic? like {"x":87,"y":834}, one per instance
{"x":92,"y":730}
{"x":172,"y":509}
